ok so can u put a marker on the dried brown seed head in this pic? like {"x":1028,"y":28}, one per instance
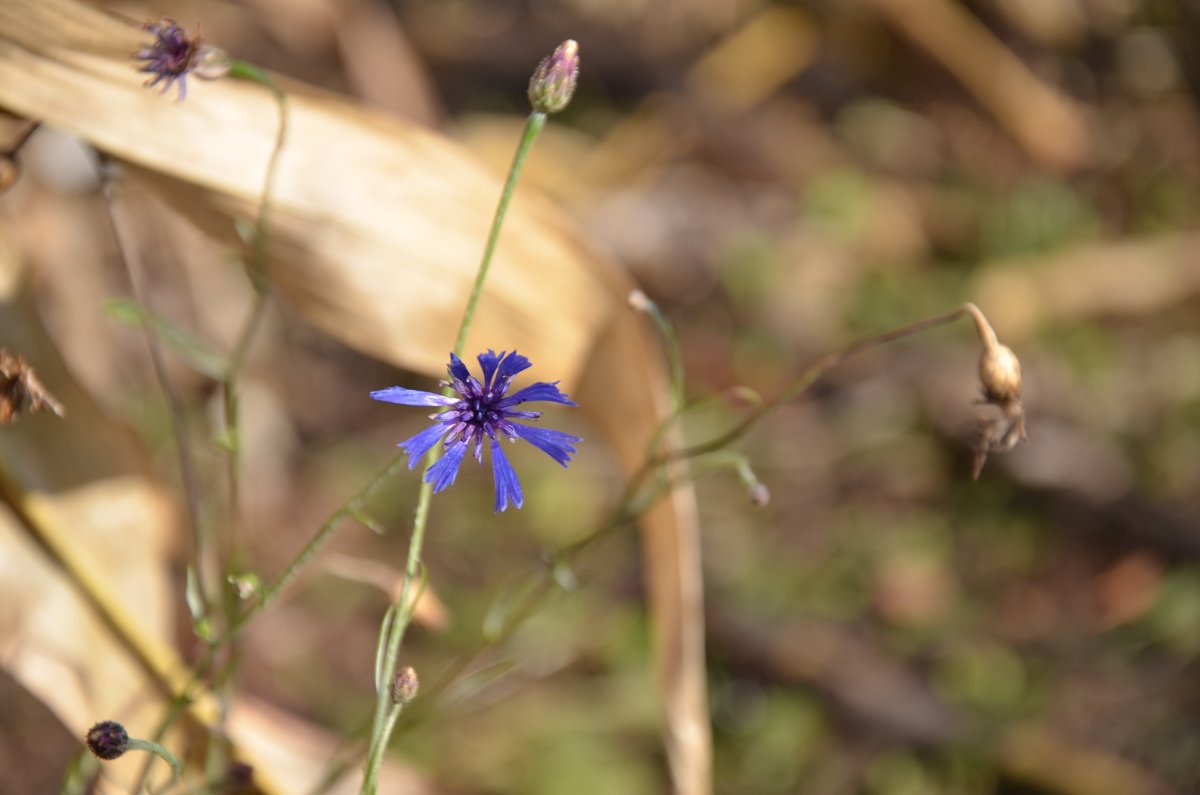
{"x":20,"y":390}
{"x":1000,"y":373}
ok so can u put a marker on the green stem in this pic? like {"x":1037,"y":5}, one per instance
{"x":533,"y":126}
{"x":135,"y":744}
{"x":197,"y":531}
{"x":384,"y":717}
{"x":229,"y":390}
{"x":635,"y":498}
{"x":807,"y":379}
{"x":674,"y":349}
{"x":256,"y":267}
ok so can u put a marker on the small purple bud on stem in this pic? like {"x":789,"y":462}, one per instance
{"x":239,"y":779}
{"x":405,"y":685}
{"x":108,"y":740}
{"x":553,"y":82}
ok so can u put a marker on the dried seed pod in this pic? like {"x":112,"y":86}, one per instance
{"x":20,"y":390}
{"x":1000,"y":373}
{"x":1000,"y":377}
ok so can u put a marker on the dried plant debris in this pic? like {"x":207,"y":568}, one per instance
{"x":20,"y":390}
{"x":1000,"y":376}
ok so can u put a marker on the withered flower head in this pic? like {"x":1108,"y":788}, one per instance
{"x":174,"y":55}
{"x":20,"y":390}
{"x":1000,"y":377}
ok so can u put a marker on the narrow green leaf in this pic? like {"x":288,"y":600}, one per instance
{"x":199,"y":354}
{"x":226,"y":440}
{"x":195,"y":602}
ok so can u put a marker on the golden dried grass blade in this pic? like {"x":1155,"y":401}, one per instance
{"x":375,"y":235}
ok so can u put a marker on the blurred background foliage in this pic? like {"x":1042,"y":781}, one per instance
{"x":782,"y":178}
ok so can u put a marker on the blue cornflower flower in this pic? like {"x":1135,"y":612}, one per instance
{"x":483,"y":410}
{"x":172,"y":55}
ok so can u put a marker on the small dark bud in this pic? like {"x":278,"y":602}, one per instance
{"x":107,"y":740}
{"x":553,"y":82}
{"x":239,"y":779}
{"x":405,"y":685}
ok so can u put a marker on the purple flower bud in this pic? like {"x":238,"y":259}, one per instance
{"x":107,"y":739}
{"x":553,"y":82}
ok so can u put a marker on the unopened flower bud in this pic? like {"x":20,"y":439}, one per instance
{"x":239,"y":779}
{"x":405,"y":685}
{"x":760,"y":495}
{"x":107,"y":740}
{"x":553,"y":82}
{"x":640,"y":301}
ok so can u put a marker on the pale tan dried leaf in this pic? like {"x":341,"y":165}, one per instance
{"x":376,"y":233}
{"x":1049,"y":125}
{"x":429,"y":611}
{"x":1130,"y":279}
{"x":85,"y":558}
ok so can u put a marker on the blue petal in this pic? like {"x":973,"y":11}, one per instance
{"x":443,"y":472}
{"x":419,"y":445}
{"x":488,"y":362}
{"x":534,"y":392}
{"x":512,"y":364}
{"x":411,"y":397}
{"x":508,"y":487}
{"x":556,"y":444}
{"x":458,"y":370}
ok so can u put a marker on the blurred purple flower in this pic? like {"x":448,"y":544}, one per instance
{"x":172,"y":55}
{"x":478,"y":411}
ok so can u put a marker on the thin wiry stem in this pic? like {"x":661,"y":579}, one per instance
{"x":382,"y":727}
{"x":256,"y":268}
{"x":217,"y":556}
{"x":809,"y":377}
{"x":183,"y":447}
{"x":231,"y":404}
{"x":636,"y":498}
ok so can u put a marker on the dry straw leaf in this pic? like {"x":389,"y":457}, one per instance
{"x":85,"y":548}
{"x":375,"y":236}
